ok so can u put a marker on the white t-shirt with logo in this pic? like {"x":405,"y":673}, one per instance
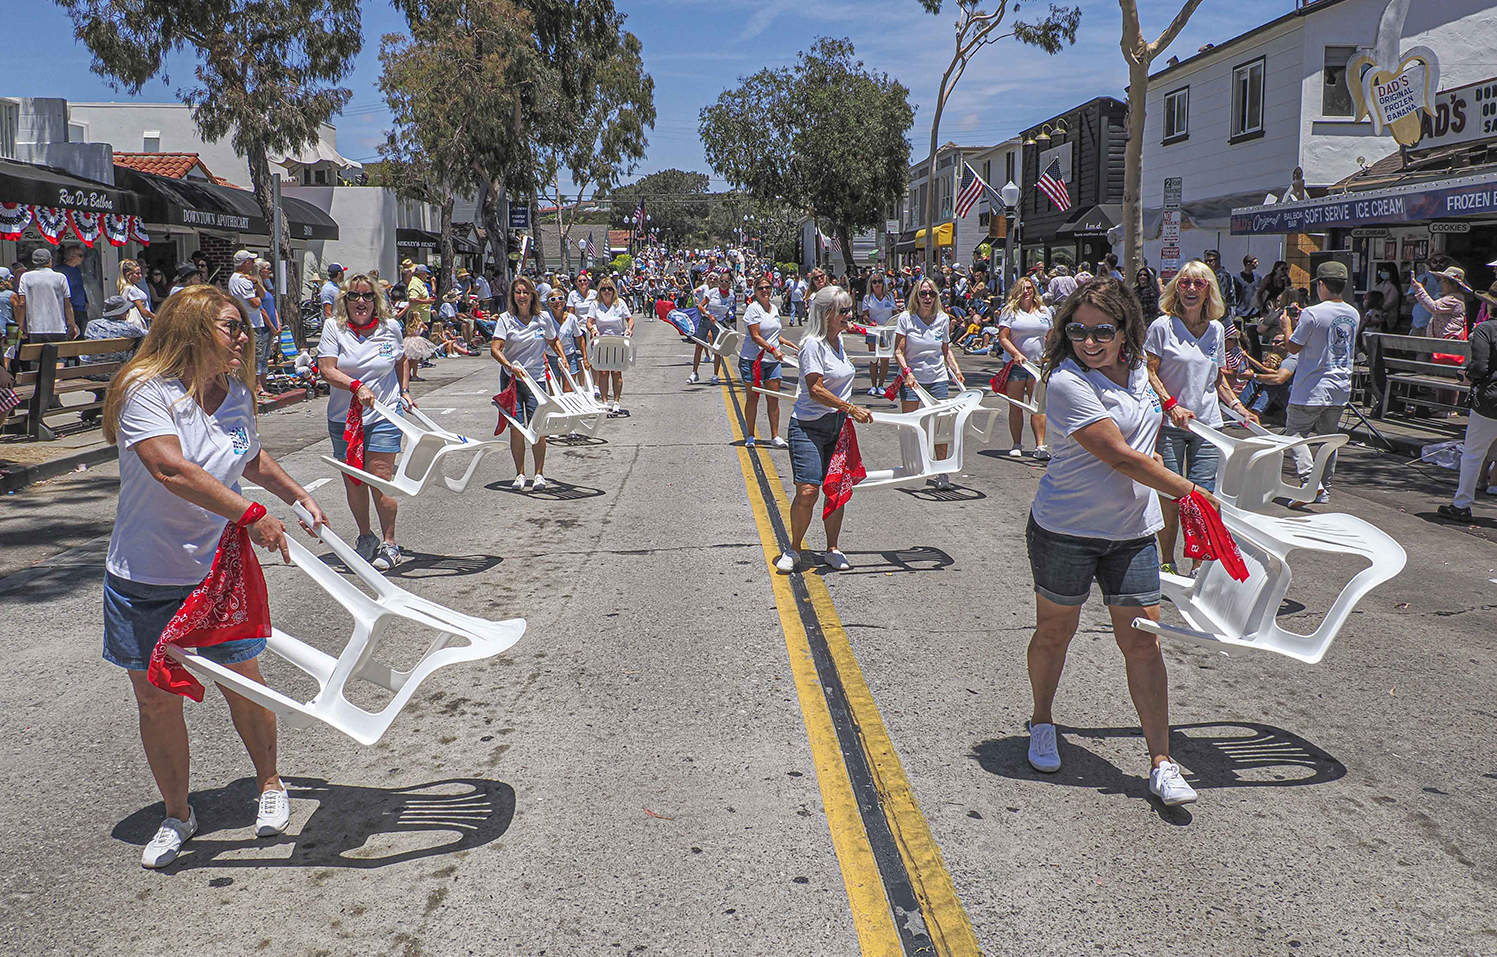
{"x":1328,"y":333}
{"x":160,"y":538}
{"x":582,"y":305}
{"x":924,"y":345}
{"x":611,"y":320}
{"x":1027,"y":331}
{"x":569,"y":330}
{"x":818,"y":356}
{"x":1080,"y":494}
{"x":242,"y":287}
{"x":880,"y":311}
{"x":768,"y":322}
{"x":722,"y":305}
{"x":1188,"y":366}
{"x":525,"y":342}
{"x":371,"y":359}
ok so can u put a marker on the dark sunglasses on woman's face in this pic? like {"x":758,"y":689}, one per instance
{"x":235,"y":328}
{"x":361,"y":296}
{"x":845,"y":311}
{"x":761,"y":289}
{"x":1102,"y":332}
{"x":927,"y":294}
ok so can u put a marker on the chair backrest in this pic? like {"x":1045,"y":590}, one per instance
{"x":612,"y":353}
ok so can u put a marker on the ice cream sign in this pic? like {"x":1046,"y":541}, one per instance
{"x":1391,"y":88}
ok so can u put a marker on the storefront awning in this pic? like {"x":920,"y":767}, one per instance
{"x":905,"y":243}
{"x":1093,"y":220}
{"x":203,"y":205}
{"x":943,"y":236}
{"x":31,"y":185}
{"x":410,"y":238}
{"x":1453,"y":198}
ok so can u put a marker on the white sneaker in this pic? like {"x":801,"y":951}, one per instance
{"x":779,"y":443}
{"x":1491,"y":490}
{"x":836,"y":560}
{"x":1041,"y":453}
{"x":539,"y":484}
{"x":616,"y":409}
{"x":786,"y":562}
{"x":1017,"y":452}
{"x":875,"y":392}
{"x":274,"y":814}
{"x":715,"y":380}
{"x":692,"y":379}
{"x":519,"y":483}
{"x":387,"y":557}
{"x":1043,"y":754}
{"x":1322,"y":496}
{"x":167,"y":843}
{"x":1168,"y":785}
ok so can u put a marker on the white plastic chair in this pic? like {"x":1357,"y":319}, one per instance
{"x":1222,"y":612}
{"x":358,"y":660}
{"x":559,"y":412}
{"x":1036,"y":406}
{"x":933,"y":424}
{"x":420,"y":464}
{"x":883,"y":348}
{"x":611,"y":353}
{"x":1250,"y":473}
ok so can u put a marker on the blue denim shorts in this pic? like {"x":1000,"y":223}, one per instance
{"x":1064,"y":567}
{"x":264,"y":337}
{"x":525,"y":402}
{"x":135,"y":615}
{"x":1018,"y":373}
{"x":381,"y":435}
{"x":1187,"y":454}
{"x":768,"y":370}
{"x":938,"y":390}
{"x":811,"y":445}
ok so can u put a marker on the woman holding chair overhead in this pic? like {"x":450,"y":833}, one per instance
{"x":762,"y":343}
{"x":182,"y":412}
{"x":521,"y":337}
{"x":362,"y":356}
{"x":824,"y":403}
{"x":922,"y":347}
{"x":1096,"y":513}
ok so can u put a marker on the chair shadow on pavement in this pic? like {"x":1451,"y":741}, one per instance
{"x":553,"y":492}
{"x":354,"y":827}
{"x":1217,"y":754}
{"x":574,"y":441}
{"x":417,"y":565}
{"x":952,"y":493}
{"x":919,"y":558}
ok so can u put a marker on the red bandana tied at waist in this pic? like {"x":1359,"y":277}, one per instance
{"x":229,"y":605}
{"x":844,"y":470}
{"x":1206,"y":538}
{"x":353,"y":430}
{"x":506,"y":400}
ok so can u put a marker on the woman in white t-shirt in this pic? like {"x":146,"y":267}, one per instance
{"x":610,"y":316}
{"x":1186,"y":353}
{"x":1024,"y":329}
{"x":182,"y":412}
{"x":880,"y":306}
{"x":922,"y":347}
{"x":824,"y":403}
{"x":130,"y":286}
{"x":522,"y":337}
{"x":762,"y":342}
{"x":1095,"y":515}
{"x":570,"y":333}
{"x":362,"y":355}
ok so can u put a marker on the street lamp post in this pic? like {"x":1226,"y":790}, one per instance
{"x":1010,"y":196}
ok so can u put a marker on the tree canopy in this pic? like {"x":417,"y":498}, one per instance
{"x":675,"y":200}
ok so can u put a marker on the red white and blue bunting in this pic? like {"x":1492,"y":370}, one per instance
{"x":116,"y":229}
{"x":85,"y":226}
{"x":14,"y":218}
{"x":50,"y":222}
{"x":137,"y":231}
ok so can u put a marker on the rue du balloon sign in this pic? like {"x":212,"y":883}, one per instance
{"x":85,"y":199}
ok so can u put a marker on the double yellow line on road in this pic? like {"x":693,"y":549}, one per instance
{"x":870,"y":807}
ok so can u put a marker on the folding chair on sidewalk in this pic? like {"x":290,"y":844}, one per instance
{"x":1220,"y":612}
{"x":359,"y":659}
{"x":427,"y":446}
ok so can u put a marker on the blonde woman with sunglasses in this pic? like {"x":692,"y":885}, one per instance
{"x":922,"y":347}
{"x":1185,"y":350}
{"x":610,"y":316}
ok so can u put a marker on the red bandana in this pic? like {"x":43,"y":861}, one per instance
{"x":1206,"y":538}
{"x":759,"y":368}
{"x":353,"y":430}
{"x":507,"y":399}
{"x":999,"y":382}
{"x":844,"y":470}
{"x":230,"y":605}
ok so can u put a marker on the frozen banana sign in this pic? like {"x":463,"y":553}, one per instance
{"x":1391,"y":88}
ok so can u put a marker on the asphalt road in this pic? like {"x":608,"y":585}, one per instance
{"x":688,"y":755}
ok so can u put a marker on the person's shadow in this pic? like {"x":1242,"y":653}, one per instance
{"x":352,"y":826}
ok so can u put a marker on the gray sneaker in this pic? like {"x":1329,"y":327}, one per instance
{"x":367,"y":545}
{"x":387,"y":557}
{"x":167,"y":843}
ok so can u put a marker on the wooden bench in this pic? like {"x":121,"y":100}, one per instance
{"x":47,"y":382}
{"x":1401,"y":366}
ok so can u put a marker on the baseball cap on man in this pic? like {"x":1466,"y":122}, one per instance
{"x":1332,"y":269}
{"x":243,"y":256}
{"x":41,"y":256}
{"x":334,"y":269}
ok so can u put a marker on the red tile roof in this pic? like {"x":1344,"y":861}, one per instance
{"x":174,"y":165}
{"x":618,"y":238}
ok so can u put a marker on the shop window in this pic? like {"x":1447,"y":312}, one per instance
{"x":1008,"y":168}
{"x":1335,"y":96}
{"x":1177,"y":115}
{"x":1247,"y":100}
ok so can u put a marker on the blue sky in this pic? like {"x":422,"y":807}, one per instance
{"x":696,"y":48}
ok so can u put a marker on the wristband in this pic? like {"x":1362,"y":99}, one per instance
{"x":1170,"y":403}
{"x":354,"y":386}
{"x":251,"y":515}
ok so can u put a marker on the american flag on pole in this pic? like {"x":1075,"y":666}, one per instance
{"x":837,"y":243}
{"x":592,"y":251}
{"x":639,"y":214}
{"x":972,"y":189}
{"x":1053,"y":186}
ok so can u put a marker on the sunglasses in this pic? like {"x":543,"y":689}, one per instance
{"x":763,"y":288}
{"x":845,"y":311}
{"x":1191,"y":283}
{"x":557,"y":299}
{"x":360,"y":296}
{"x":1102,"y":332}
{"x":235,"y":328}
{"x":927,"y":294}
